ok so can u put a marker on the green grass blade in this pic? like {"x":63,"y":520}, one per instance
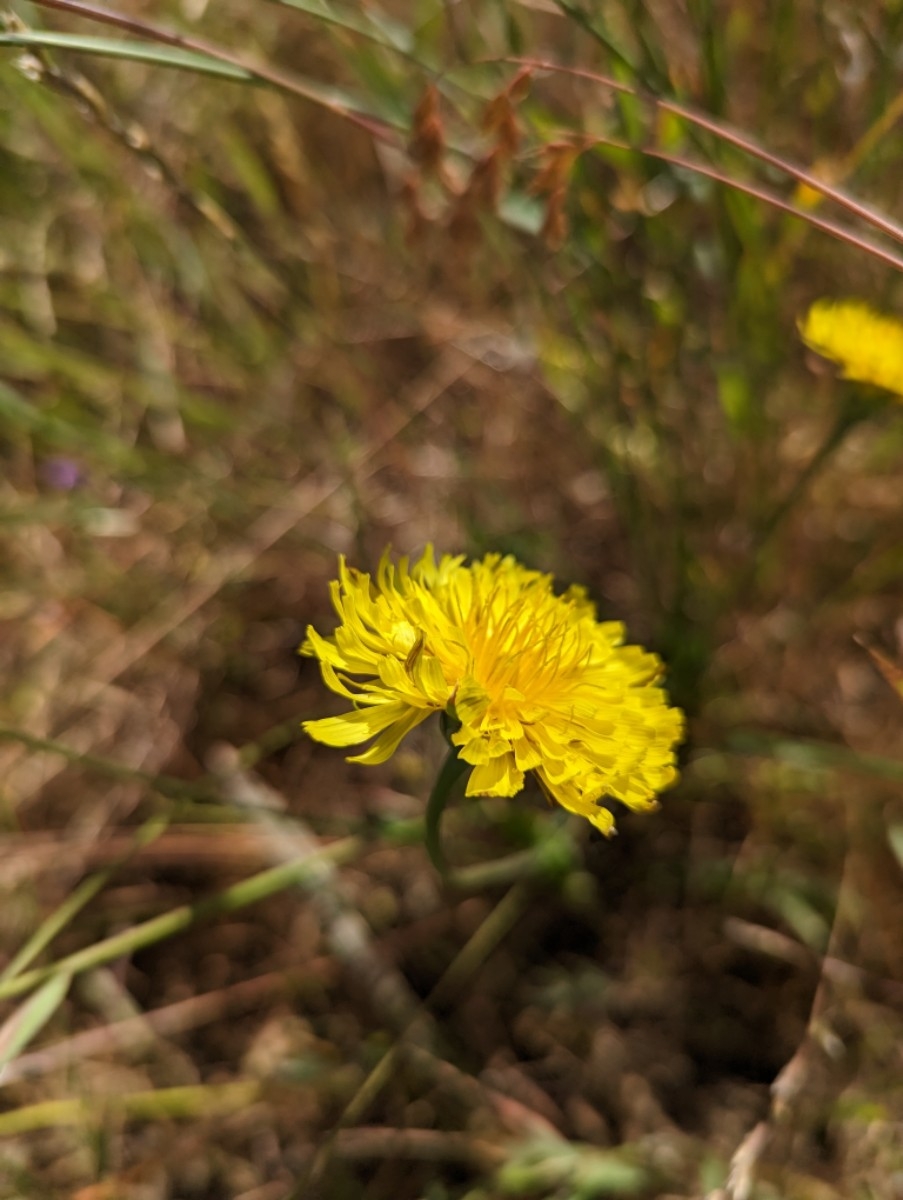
{"x":29,"y":1019}
{"x":133,"y":51}
{"x":72,"y":905}
{"x":165,"y":785}
{"x":158,"y":1104}
{"x":376,"y":28}
{"x":191,"y":60}
{"x":812,"y":755}
{"x":157,"y":929}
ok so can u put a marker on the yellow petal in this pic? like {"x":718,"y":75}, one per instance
{"x":535,"y":681}
{"x":500,"y":777}
{"x":387,"y":742}
{"x":351,"y":728}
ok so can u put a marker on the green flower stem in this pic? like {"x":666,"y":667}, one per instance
{"x":451,"y":772}
{"x":249,"y":891}
{"x":855,"y":409}
{"x":848,"y":417}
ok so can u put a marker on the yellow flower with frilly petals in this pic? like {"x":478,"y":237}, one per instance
{"x":535,"y":682}
{"x":866,"y":344}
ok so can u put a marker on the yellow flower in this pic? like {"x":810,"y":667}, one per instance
{"x":536,"y":683}
{"x":868,"y":345}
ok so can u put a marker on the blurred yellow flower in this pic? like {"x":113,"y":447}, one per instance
{"x":535,"y":682}
{"x":866,"y":344}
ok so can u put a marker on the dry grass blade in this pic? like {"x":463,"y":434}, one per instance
{"x":249,"y":891}
{"x":170,"y":1021}
{"x":890,"y":670}
{"x":52,"y":926}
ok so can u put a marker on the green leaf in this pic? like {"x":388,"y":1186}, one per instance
{"x":522,"y":212}
{"x":148,"y":933}
{"x":188,"y":60}
{"x":372,"y":25}
{"x":74,"y":903}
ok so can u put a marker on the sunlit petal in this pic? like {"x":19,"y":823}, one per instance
{"x":534,"y":681}
{"x":867,"y":345}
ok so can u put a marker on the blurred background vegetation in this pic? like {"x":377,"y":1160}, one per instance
{"x":287,"y":280}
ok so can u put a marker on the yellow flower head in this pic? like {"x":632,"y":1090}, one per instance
{"x":867,"y":345}
{"x":535,"y":681}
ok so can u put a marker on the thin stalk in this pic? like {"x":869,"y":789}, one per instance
{"x":702,"y":13}
{"x":240,"y":895}
{"x":731,"y":136}
{"x":287,"y":83}
{"x":850,"y":415}
{"x":449,"y":775}
{"x":158,"y":1104}
{"x":581,"y":19}
{"x":811,"y":754}
{"x":846,"y":420}
{"x":550,"y":858}
{"x":73,"y":904}
{"x":824,"y":224}
{"x":489,"y":934}
{"x":166,"y":785}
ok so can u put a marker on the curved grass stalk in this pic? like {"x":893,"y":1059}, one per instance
{"x":729,"y":135}
{"x":824,"y":224}
{"x":57,"y":921}
{"x":238,"y":67}
{"x":133,"y":51}
{"x":316,"y":93}
{"x":379,"y":29}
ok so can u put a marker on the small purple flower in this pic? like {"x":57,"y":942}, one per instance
{"x":60,"y":473}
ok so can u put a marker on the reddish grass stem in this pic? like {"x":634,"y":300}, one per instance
{"x":824,"y":224}
{"x":289,"y":83}
{"x":728,"y":134}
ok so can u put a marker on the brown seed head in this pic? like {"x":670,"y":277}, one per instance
{"x":555,"y":226}
{"x":485,"y":183}
{"x":499,"y":120}
{"x":558,"y":159}
{"x":427,"y":144}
